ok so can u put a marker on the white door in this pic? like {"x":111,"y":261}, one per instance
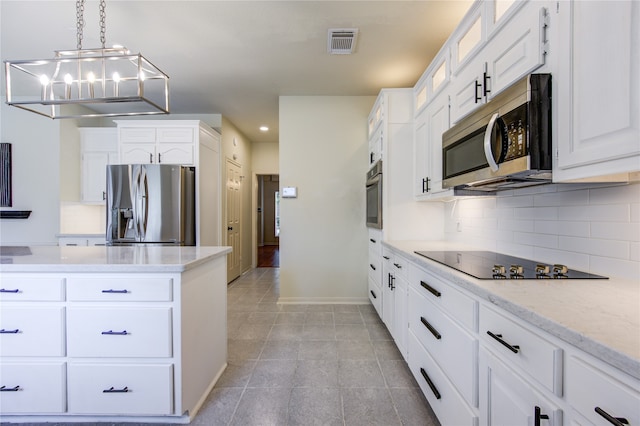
{"x":234,"y":192}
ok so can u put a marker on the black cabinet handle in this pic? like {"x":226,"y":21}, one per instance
{"x":618,"y":421}
{"x":115,"y":291}
{"x":397,"y":265}
{"x":430,"y":383}
{"x":372,"y":240}
{"x":6,"y":389}
{"x":386,"y":257}
{"x":4,"y":290}
{"x":372,"y":267}
{"x":3,"y":331}
{"x":159,"y":158}
{"x":104,"y":195}
{"x":425,"y":185}
{"x":498,"y":337}
{"x":478,"y":85}
{"x":113,"y":390}
{"x":390,"y":282}
{"x":431,"y":290}
{"x":371,"y":158}
{"x":485,"y":78}
{"x":150,"y":158}
{"x":115,"y":333}
{"x":373,"y":294}
{"x":430,"y":328}
{"x":539,"y":416}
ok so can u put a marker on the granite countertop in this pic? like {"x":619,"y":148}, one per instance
{"x":137,"y":258}
{"x":600,"y":317}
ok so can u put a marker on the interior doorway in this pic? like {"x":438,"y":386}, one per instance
{"x":268,"y":216}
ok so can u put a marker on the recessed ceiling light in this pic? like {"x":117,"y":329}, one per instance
{"x":264,"y":128}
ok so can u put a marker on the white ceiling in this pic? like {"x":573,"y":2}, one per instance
{"x":236,"y":58}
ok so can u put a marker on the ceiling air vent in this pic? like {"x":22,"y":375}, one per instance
{"x":342,"y":41}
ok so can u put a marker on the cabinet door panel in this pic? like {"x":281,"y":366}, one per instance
{"x":123,"y":332}
{"x":119,"y":289}
{"x":176,"y":153}
{"x":176,"y":135}
{"x":508,"y":399}
{"x":143,"y":153}
{"x":137,"y":135}
{"x":149,"y":389}
{"x":41,"y":388}
{"x":32,"y":331}
{"x":19,"y":288}
{"x":94,"y":172}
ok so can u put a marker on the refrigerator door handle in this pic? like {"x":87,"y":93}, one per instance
{"x":144,"y":202}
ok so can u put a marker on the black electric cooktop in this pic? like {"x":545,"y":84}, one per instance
{"x":488,"y":265}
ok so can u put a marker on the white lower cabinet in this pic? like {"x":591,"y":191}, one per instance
{"x":598,"y":397}
{"x":104,"y":388}
{"x":446,"y":402}
{"x":32,"y":331}
{"x":33,"y":387}
{"x":508,"y":399}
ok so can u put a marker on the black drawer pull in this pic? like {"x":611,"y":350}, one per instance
{"x":498,"y":337}
{"x":539,"y":416}
{"x":4,"y":290}
{"x":372,"y":267}
{"x":115,"y":333}
{"x":372,"y":240}
{"x":373,"y":294}
{"x":618,"y":421}
{"x":386,"y":257}
{"x":397,"y":265}
{"x":113,"y":390}
{"x":430,"y":328}
{"x":16,"y":331}
{"x":430,"y":383}
{"x":431,"y":290}
{"x":6,"y":389}
{"x":116,"y":291}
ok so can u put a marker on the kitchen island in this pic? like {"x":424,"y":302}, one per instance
{"x":134,"y":333}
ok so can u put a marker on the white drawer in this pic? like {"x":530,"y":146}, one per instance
{"x":375,"y":240}
{"x":461,"y":307}
{"x":589,"y":387}
{"x":32,"y":331}
{"x":25,"y":289}
{"x":375,"y":296}
{"x":119,"y":332}
{"x":117,"y":389}
{"x":454,"y":349}
{"x":445,"y":401}
{"x":525,"y":349}
{"x":175,"y":134}
{"x":375,"y":267}
{"x":40,"y":388}
{"x":399,"y":266}
{"x":137,"y":134}
{"x":119,"y":289}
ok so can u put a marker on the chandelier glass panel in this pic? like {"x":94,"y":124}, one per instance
{"x":103,"y":82}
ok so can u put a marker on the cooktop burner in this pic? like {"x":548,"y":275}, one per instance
{"x":488,"y":265}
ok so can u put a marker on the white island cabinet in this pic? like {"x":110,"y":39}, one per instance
{"x":98,"y":333}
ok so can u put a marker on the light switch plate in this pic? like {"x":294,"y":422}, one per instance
{"x":290,"y":192}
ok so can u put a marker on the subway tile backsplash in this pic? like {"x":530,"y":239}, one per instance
{"x":595,"y":228}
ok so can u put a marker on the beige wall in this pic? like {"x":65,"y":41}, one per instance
{"x":240,"y":152}
{"x":323,"y":241}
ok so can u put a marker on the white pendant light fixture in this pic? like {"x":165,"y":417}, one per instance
{"x":104,"y":82}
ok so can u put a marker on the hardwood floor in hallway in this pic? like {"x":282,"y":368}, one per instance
{"x":269,"y":257}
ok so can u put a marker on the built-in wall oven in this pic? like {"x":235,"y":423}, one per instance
{"x":374,"y":196}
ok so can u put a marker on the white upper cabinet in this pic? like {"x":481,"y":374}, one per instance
{"x":597,"y":91}
{"x":151,"y":145}
{"x":497,"y":44}
{"x":99,"y":147}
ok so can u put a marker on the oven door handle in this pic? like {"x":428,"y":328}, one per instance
{"x":488,"y":153}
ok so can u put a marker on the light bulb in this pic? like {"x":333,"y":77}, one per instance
{"x":91,"y":77}
{"x":44,"y":80}
{"x":116,"y":77}
{"x":67,"y":82}
{"x":142,"y":77}
{"x":116,"y":84}
{"x":68,"y":79}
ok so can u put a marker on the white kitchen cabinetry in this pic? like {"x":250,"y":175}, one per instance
{"x":98,"y":148}
{"x":81,"y":241}
{"x":600,"y":396}
{"x":393,"y":106}
{"x":186,"y":142}
{"x":375,"y":269}
{"x":597,"y":91}
{"x":508,"y":399}
{"x":394,"y":298}
{"x":516,"y":47}
{"x":111,"y":344}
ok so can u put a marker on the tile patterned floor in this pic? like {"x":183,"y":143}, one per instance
{"x":306,"y":365}
{"x":309,"y":365}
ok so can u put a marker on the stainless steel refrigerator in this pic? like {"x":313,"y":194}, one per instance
{"x":151,"y":204}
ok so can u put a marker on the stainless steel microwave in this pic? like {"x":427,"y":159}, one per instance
{"x":374,"y":196}
{"x":505,"y":144}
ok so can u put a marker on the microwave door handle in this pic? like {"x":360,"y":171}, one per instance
{"x":487,"y":143}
